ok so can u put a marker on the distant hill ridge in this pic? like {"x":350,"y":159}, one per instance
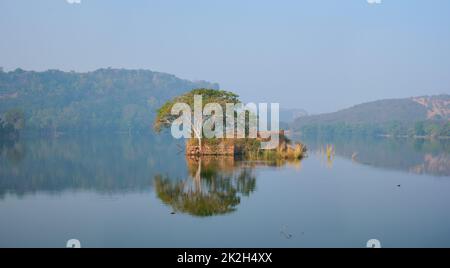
{"x":397,"y":115}
{"x":107,"y":99}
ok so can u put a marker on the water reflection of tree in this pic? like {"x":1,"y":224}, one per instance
{"x":214,"y":187}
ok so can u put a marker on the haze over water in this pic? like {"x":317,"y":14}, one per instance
{"x":120,"y":190}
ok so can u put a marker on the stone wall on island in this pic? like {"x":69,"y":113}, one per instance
{"x":210,"y":149}
{"x":223,"y":146}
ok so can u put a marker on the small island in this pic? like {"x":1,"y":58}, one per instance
{"x":248,"y":147}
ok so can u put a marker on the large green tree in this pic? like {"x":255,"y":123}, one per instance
{"x":165,"y":118}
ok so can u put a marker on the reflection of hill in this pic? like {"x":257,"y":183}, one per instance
{"x":412,"y":155}
{"x":105,"y":164}
{"x":439,"y":164}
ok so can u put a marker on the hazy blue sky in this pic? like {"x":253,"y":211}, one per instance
{"x":319,"y":55}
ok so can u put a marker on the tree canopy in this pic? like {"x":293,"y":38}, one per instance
{"x":164,"y":117}
{"x":11,"y":122}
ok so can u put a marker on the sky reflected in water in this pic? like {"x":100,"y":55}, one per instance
{"x":142,"y":192}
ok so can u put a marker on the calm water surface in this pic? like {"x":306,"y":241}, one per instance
{"x":142,"y":191}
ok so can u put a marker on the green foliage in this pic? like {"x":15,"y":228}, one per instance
{"x":105,"y":99}
{"x":428,"y":128}
{"x":436,"y":128}
{"x":164,"y":117}
{"x":11,"y":122}
{"x":16,"y":118}
{"x":419,"y":129}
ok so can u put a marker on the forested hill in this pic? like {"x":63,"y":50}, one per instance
{"x":105,"y":99}
{"x":425,"y":115}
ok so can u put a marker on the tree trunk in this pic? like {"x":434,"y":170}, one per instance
{"x":197,"y":178}
{"x":200,"y":145}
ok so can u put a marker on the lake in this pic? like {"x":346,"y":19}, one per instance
{"x":142,"y":191}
